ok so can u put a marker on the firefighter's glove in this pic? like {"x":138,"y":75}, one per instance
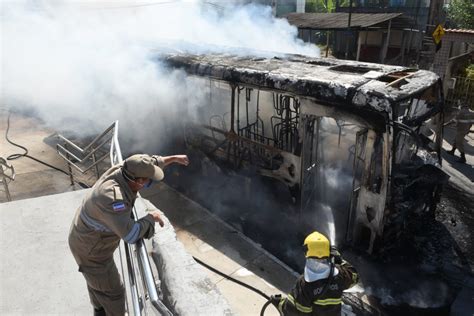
{"x":336,"y":255}
{"x":275,"y":299}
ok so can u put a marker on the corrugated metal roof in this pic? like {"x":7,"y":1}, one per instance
{"x":339,"y":20}
{"x":463,"y":31}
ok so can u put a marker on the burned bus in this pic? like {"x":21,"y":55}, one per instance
{"x":349,"y":148}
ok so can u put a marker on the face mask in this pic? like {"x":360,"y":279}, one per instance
{"x":148,"y":184}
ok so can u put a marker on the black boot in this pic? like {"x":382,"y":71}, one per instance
{"x":451,"y":152}
{"x":99,"y":311}
{"x":462,"y":159}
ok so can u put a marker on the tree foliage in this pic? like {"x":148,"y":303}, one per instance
{"x":461,"y":13}
{"x":470,"y":72}
{"x":321,"y":6}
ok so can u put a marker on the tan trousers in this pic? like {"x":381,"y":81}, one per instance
{"x":103,"y":281}
{"x":105,"y":288}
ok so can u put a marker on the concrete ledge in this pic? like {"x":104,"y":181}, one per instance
{"x":38,"y":274}
{"x":186,"y":288}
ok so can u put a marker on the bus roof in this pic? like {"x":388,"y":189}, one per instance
{"x":343,"y":82}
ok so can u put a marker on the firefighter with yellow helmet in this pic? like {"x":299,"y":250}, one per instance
{"x":319,"y":290}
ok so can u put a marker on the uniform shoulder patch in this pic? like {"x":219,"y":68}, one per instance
{"x":118,"y":193}
{"x":119,"y":206}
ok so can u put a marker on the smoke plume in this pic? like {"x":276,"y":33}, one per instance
{"x":83,"y":65}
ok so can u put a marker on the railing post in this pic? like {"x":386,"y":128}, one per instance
{"x":5,"y":177}
{"x":71,"y":177}
{"x":5,"y":184}
{"x":94,"y":159}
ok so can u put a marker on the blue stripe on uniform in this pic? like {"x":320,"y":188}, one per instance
{"x":91,"y":223}
{"x":133,"y":234}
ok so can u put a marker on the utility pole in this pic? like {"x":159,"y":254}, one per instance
{"x":348,"y":32}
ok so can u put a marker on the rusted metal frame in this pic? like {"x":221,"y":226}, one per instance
{"x":236,"y":145}
{"x":231,"y":150}
{"x":232,"y":137}
{"x":353,"y":205}
{"x":400,"y":79}
{"x":384,"y":188}
{"x":238,"y":108}
{"x":247,"y":99}
{"x":303,"y":172}
{"x":360,"y":212}
{"x":232,"y":107}
{"x":258,"y":117}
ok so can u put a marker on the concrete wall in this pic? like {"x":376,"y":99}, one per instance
{"x":187,"y":290}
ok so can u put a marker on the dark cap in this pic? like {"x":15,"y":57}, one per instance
{"x":142,"y":166}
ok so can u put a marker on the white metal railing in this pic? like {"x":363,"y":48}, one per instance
{"x":7,"y":174}
{"x":136,"y":255}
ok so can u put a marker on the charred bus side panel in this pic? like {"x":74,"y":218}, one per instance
{"x":345,"y":139}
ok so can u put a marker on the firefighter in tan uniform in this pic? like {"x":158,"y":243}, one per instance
{"x":319,"y":290}
{"x":105,"y":217}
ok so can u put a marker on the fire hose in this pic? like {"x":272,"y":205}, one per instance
{"x":228,"y":277}
{"x":334,"y":258}
{"x":25,"y":154}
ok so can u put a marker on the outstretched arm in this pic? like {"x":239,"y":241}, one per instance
{"x":179,"y":159}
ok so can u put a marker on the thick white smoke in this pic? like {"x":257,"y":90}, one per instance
{"x":91,"y":62}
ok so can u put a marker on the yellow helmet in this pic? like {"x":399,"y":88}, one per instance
{"x":317,"y":245}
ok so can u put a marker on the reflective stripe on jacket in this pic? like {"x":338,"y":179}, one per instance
{"x":306,"y":298}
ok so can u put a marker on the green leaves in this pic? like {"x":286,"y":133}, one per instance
{"x":461,"y":13}
{"x":321,"y":6}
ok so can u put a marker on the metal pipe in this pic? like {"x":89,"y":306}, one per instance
{"x":145,"y":266}
{"x":92,"y":142}
{"x":92,"y":152}
{"x":133,"y":284}
{"x":77,"y":167}
{"x":117,"y":144}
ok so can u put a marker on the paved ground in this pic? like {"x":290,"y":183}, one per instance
{"x":32,"y":178}
{"x":38,"y":274}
